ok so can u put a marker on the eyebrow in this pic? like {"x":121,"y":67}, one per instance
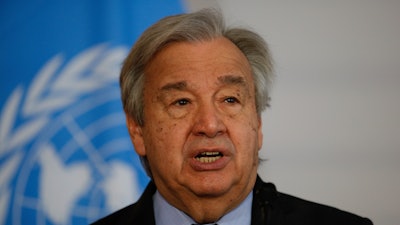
{"x":180,"y":85}
{"x":232,"y":79}
{"x":225,"y":80}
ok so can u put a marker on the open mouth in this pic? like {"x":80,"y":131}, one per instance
{"x":208,"y":157}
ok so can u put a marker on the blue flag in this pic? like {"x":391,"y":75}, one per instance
{"x":65,"y":154}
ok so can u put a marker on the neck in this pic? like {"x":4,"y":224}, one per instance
{"x":166,"y":212}
{"x":209,"y":209}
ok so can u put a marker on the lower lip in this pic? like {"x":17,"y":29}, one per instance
{"x":216,"y":165}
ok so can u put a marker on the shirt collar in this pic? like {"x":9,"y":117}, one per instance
{"x":166,"y":214}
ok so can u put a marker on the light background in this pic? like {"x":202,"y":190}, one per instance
{"x":333,"y":132}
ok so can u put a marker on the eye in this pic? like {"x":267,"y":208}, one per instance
{"x":231,"y":100}
{"x":181,"y":102}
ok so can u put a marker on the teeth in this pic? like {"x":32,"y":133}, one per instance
{"x":208,"y":157}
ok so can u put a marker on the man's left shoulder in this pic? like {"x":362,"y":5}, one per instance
{"x":287,"y":209}
{"x":299,"y":209}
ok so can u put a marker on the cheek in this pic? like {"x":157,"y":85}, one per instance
{"x":156,"y":134}
{"x":248,"y":140}
{"x":162,"y":139}
{"x":164,"y":150}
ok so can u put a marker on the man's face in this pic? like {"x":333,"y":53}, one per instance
{"x":201,"y":131}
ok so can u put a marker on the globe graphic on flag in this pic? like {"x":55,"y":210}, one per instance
{"x":72,"y":169}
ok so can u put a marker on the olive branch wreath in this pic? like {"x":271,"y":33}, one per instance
{"x":58,"y":84}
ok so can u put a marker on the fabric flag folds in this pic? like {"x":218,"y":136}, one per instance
{"x":65,"y":155}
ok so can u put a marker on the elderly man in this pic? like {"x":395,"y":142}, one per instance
{"x":193,"y":92}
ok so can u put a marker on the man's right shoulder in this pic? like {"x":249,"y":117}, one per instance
{"x":128,"y":215}
{"x":138,"y":213}
{"x":123,"y":216}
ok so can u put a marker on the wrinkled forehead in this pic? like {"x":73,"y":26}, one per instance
{"x":219,"y":58}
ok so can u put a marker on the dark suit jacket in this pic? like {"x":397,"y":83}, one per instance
{"x":269,"y":207}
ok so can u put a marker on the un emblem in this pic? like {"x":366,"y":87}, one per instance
{"x":65,"y":153}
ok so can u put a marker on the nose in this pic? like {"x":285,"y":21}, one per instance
{"x":208,"y":121}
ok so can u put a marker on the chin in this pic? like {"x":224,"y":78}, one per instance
{"x":210,"y":192}
{"x":212,"y":186}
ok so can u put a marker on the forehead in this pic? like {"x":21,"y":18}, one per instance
{"x":198,"y":61}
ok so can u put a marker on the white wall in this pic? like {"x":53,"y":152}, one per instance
{"x":333,"y":132}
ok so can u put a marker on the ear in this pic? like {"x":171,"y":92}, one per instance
{"x":260,"y":133}
{"x":136,"y":134}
